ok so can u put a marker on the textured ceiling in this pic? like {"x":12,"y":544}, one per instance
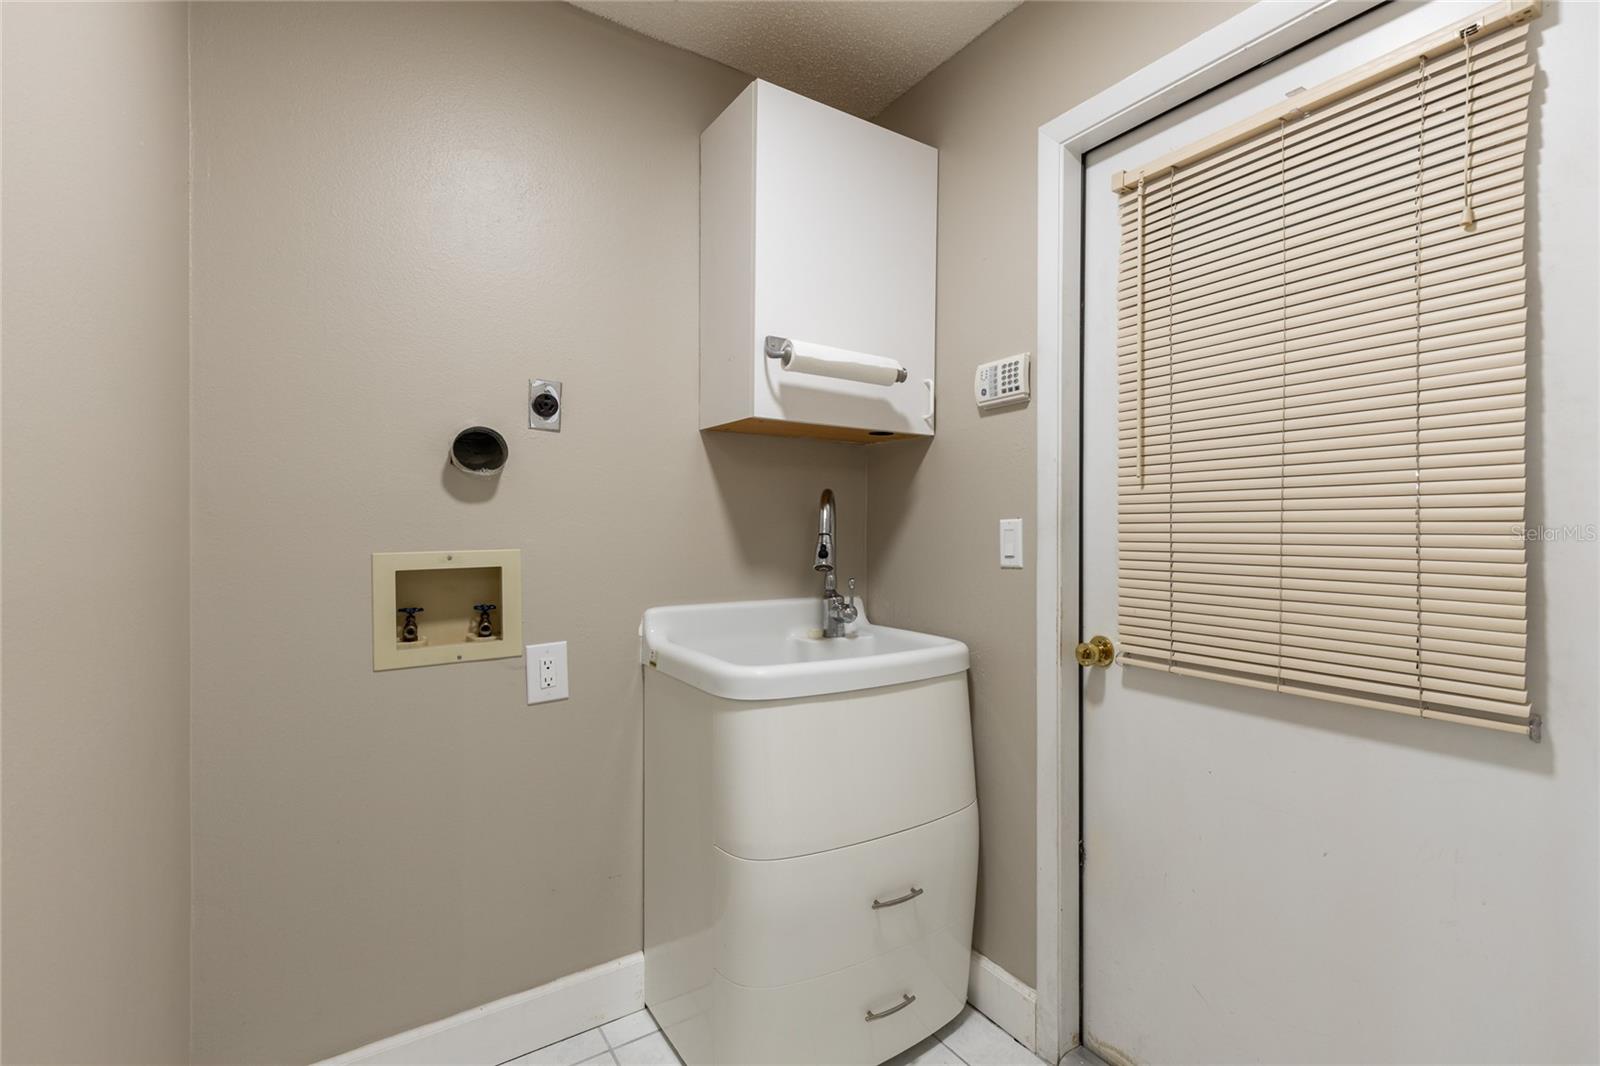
{"x":858,"y":55}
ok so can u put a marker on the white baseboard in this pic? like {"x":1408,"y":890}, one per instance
{"x":566,"y":1007}
{"x":516,"y":1024}
{"x":1004,"y":1000}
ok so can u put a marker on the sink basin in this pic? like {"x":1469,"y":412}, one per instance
{"x":774,"y":650}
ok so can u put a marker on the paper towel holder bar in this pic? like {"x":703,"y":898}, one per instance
{"x":781,"y":348}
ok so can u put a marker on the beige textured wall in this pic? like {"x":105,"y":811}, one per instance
{"x":401,"y":213}
{"x":96,"y":556}
{"x":935,"y":508}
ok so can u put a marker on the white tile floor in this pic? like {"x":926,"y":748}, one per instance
{"x":632,"y":1041}
{"x":969,"y":1040}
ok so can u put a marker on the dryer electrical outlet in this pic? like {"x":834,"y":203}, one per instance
{"x":547,"y":672}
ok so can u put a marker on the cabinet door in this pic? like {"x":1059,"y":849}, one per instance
{"x":845,"y":224}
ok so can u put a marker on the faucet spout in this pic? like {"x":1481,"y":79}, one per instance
{"x":837,"y":611}
{"x":824,"y":562}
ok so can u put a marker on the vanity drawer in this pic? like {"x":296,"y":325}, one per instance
{"x":796,"y":777}
{"x":909,"y":994}
{"x":787,"y":920}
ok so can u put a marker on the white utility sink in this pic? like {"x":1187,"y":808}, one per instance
{"x":811,"y":834}
{"x":774,"y":649}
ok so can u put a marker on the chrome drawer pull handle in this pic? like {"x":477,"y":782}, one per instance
{"x":879,"y":904}
{"x":905,"y":1001}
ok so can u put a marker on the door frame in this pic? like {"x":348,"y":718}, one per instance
{"x":1258,"y":34}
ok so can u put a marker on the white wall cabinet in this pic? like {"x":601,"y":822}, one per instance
{"x":818,"y":227}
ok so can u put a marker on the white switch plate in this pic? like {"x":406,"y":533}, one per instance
{"x":1011,"y":544}
{"x":547,"y":672}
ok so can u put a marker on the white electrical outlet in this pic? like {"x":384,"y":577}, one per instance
{"x":1002,"y":382}
{"x":547,"y":672}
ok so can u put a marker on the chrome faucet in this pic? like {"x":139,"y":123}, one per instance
{"x":838,"y":610}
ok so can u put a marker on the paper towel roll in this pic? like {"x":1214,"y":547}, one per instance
{"x":804,"y":357}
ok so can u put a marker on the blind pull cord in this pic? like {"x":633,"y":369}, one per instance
{"x":1172,"y":434}
{"x":1416,"y":422}
{"x":1469,"y":220}
{"x":1138,"y":368}
{"x":1283,"y":359}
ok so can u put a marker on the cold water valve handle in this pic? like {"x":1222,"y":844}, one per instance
{"x":485,"y":628}
{"x":408,"y":631}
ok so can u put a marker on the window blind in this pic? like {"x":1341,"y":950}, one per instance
{"x":1321,"y":422}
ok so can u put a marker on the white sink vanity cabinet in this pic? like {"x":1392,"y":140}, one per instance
{"x":811,"y":834}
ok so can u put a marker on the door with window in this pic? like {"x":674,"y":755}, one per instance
{"x":1273,"y":875}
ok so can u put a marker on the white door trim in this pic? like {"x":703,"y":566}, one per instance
{"x":1259,"y":34}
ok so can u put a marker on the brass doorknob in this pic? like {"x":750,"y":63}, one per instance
{"x":1098,"y":651}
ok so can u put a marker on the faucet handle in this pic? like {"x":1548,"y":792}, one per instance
{"x":848,"y":612}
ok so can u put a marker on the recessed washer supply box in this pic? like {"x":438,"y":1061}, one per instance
{"x":448,"y":586}
{"x":819,"y":228}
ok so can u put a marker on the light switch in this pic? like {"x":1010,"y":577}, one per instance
{"x":547,"y":672}
{"x":1011,"y":544}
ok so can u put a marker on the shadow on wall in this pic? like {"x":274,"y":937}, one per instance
{"x":893,"y":473}
{"x":1421,"y":734}
{"x":466,"y":488}
{"x":755,"y":477}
